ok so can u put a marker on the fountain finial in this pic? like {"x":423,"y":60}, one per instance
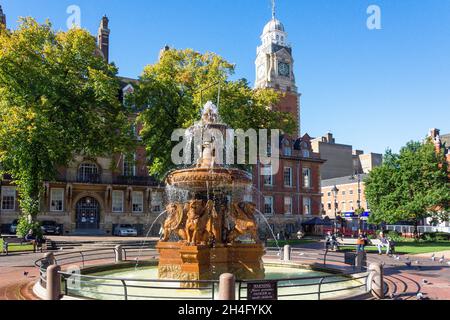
{"x":210,"y":114}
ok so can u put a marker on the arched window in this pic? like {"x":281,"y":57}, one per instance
{"x":88,"y":173}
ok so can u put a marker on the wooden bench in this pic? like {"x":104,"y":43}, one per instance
{"x":352,"y":242}
{"x":7,"y":241}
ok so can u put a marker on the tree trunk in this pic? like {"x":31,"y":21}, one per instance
{"x":416,"y":229}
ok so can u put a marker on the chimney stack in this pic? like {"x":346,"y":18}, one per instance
{"x":103,"y":38}
{"x":2,"y":17}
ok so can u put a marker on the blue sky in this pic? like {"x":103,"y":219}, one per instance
{"x":372,"y":89}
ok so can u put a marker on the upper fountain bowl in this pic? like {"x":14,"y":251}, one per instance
{"x":209,"y":172}
{"x":198,"y":179}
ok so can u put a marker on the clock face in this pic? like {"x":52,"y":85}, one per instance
{"x":261,"y":71}
{"x":284,"y":69}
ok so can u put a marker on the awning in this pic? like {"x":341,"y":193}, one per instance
{"x":317,"y":222}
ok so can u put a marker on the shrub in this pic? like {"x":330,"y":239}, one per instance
{"x":24,"y":226}
{"x":435,"y":236}
{"x":395,"y":236}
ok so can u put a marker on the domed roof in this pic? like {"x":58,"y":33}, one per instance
{"x":273,"y":25}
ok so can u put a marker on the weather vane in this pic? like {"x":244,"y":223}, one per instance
{"x":273,"y":9}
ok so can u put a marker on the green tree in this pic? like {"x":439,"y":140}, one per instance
{"x":171,"y":93}
{"x":409,"y":186}
{"x":58,"y":98}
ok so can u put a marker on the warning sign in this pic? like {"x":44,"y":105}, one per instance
{"x":262,"y":291}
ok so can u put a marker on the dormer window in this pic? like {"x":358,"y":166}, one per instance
{"x":287,"y":150}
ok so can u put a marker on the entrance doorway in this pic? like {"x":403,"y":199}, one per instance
{"x":88,"y":214}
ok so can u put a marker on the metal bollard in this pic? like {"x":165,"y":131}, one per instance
{"x":227,"y":287}
{"x":287,"y":253}
{"x":119,"y":254}
{"x":53,"y":283}
{"x":377,"y":284}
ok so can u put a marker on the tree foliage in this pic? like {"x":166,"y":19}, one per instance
{"x":170,"y":92}
{"x":409,"y":186}
{"x":58,"y":98}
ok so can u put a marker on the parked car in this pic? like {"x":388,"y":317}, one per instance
{"x":13,"y":227}
{"x":125,"y":230}
{"x":50,"y":227}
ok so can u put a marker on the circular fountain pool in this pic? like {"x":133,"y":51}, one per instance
{"x":141,"y":284}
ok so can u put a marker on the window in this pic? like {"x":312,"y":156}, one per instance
{"x":8,"y":198}
{"x":329,"y":205}
{"x":156,"y":202}
{"x":117,"y":201}
{"x":287,"y":150}
{"x":306,"y":178}
{"x":305,"y":153}
{"x":306,"y":206}
{"x":350,"y":191}
{"x":288,"y":177}
{"x":268,"y":181}
{"x":329,"y":194}
{"x":129,"y":166}
{"x":57,"y":200}
{"x":288,"y":205}
{"x":135,"y":132}
{"x":138,"y":202}
{"x":88,"y":173}
{"x":343,"y":193}
{"x":343,"y":206}
{"x":268,"y":205}
{"x":350,"y":204}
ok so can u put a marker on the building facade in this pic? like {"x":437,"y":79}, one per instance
{"x":94,"y":195}
{"x":344,"y":201}
{"x":292,"y":195}
{"x":341,"y":159}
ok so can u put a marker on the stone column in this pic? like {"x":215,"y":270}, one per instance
{"x":359,"y":260}
{"x":53,"y":283}
{"x":377,"y":280}
{"x":287,"y":253}
{"x":227,"y":287}
{"x":119,"y":253}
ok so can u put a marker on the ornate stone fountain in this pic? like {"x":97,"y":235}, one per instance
{"x":202,"y":231}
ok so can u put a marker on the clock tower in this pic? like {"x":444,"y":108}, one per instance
{"x":275,"y":67}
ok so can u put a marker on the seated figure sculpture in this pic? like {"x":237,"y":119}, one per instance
{"x":175,"y":222}
{"x":243,"y":215}
{"x":196,"y":223}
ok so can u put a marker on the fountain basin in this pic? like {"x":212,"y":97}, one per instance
{"x":294,"y":283}
{"x":183,"y":262}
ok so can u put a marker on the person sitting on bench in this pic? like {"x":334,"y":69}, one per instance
{"x":384,"y":242}
{"x":36,"y":241}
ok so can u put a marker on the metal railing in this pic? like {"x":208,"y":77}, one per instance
{"x":313,"y":286}
{"x":420,"y":229}
{"x":93,"y":287}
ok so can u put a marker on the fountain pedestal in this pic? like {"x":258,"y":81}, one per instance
{"x":178,"y":261}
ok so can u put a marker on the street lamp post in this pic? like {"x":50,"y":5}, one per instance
{"x":335,"y":191}
{"x":358,"y":175}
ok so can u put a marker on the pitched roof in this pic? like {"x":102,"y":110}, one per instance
{"x":342,"y":180}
